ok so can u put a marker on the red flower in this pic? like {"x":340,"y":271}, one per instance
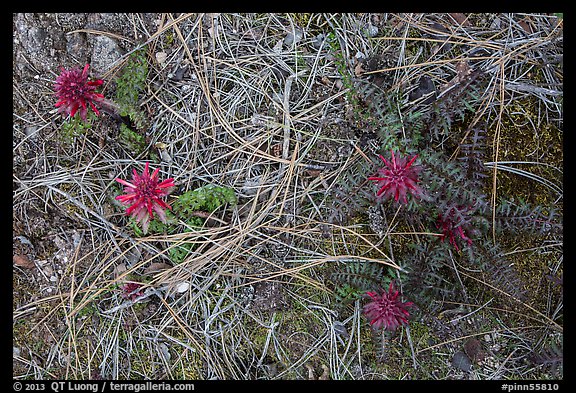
{"x":74,"y":91}
{"x":131,"y":290}
{"x":397,"y":178}
{"x":453,"y":228}
{"x":143,"y":195}
{"x":386,"y":310}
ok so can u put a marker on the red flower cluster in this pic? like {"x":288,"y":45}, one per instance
{"x":386,"y":310}
{"x":143,"y":196}
{"x":397,"y":178}
{"x":74,"y":92}
{"x":452,"y":228}
{"x":131,"y":290}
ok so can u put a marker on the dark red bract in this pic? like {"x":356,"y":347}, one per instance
{"x":75,"y":92}
{"x":386,"y":310}
{"x":131,"y":290}
{"x":143,"y":196}
{"x":397,"y":178}
{"x":452,"y":228}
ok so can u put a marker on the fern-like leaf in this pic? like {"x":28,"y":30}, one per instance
{"x":472,"y":157}
{"x":550,"y":357}
{"x":500,"y":274}
{"x":513,"y":217}
{"x":353,"y":279}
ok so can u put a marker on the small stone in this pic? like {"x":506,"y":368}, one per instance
{"x":164,"y":351}
{"x":251,"y":185}
{"x":76,"y":45}
{"x":182,"y":287}
{"x":293,"y":37}
{"x":31,"y":131}
{"x":119,"y":269}
{"x":133,"y":256}
{"x":105,"y":53}
{"x":461,"y":361}
{"x":165,"y":156}
{"x":23,"y":261}
{"x":161,"y":57}
{"x":340,"y":329}
{"x":277,"y":48}
{"x":371,"y":30}
{"x":318,"y":40}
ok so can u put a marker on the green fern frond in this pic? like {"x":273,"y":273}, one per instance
{"x":207,"y":198}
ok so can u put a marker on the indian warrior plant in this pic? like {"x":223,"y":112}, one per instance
{"x":150,"y":213}
{"x":395,"y":180}
{"x":144,"y":196}
{"x":76,"y":93}
{"x":386,"y":310}
{"x":398,"y":178}
{"x":401,"y":176}
{"x":444,"y":197}
{"x":447,"y":199}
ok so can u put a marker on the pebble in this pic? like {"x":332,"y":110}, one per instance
{"x":76,"y":45}
{"x":318,"y":40}
{"x":251,"y":185}
{"x":293,"y":37}
{"x":462,"y":361}
{"x":164,"y":351}
{"x":182,"y":287}
{"x":371,"y":30}
{"x":165,"y":156}
{"x":31,"y":131}
{"x":105,"y":53}
{"x":161,"y":57}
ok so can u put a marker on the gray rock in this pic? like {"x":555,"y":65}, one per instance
{"x":105,"y":53}
{"x":461,"y":361}
{"x":318,"y":40}
{"x":293,"y":37}
{"x":36,"y":39}
{"x":371,"y":30}
{"x":251,"y":185}
{"x":76,"y":46}
{"x":69,"y":21}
